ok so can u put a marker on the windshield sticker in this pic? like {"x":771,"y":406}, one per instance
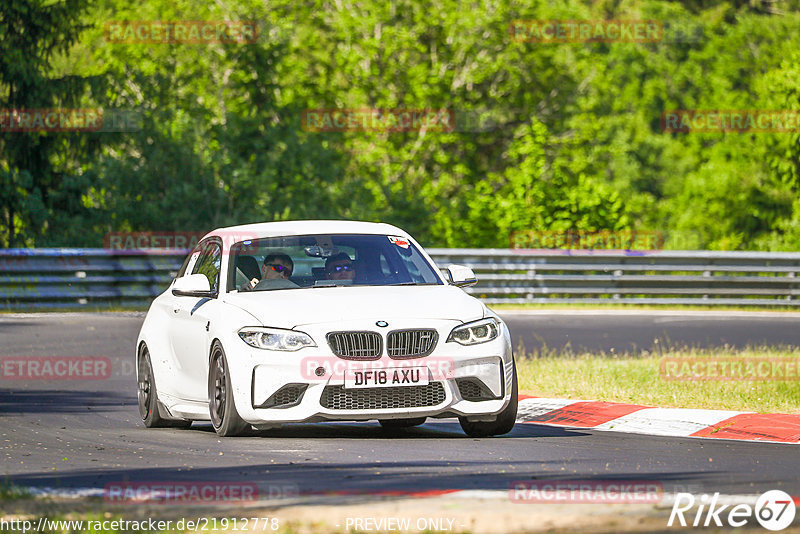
{"x":399,"y":241}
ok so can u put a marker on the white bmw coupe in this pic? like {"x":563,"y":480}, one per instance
{"x":309,"y":321}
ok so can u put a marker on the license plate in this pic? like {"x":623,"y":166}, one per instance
{"x":386,"y":378}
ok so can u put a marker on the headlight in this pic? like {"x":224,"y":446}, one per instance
{"x":475,"y":332}
{"x":275,"y":338}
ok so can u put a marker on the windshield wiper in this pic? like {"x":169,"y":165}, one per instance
{"x":322,"y":283}
{"x":334,"y":284}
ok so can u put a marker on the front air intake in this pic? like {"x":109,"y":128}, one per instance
{"x":472,"y":389}
{"x":339,"y":398}
{"x":286,"y":397}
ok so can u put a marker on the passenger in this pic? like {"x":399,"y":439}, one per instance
{"x":276,"y":267}
{"x":340,"y":267}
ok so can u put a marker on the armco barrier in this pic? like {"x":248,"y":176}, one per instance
{"x":75,"y":278}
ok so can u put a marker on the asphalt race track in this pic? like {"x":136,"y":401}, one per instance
{"x":637,"y":330}
{"x":85,"y":434}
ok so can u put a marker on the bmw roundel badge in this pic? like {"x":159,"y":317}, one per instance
{"x":382,"y":324}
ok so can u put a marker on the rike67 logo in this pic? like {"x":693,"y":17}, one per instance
{"x":774,"y":510}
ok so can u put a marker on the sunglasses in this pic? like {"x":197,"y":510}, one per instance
{"x":340,"y":268}
{"x":280,"y":268}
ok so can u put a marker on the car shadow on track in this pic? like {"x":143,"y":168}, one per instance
{"x":445,"y":429}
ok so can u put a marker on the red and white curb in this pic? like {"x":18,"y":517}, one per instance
{"x":678,"y":422}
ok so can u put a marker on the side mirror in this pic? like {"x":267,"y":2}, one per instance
{"x":461,"y":276}
{"x":193,"y":285}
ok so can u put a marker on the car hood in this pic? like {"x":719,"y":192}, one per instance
{"x":294,"y":307}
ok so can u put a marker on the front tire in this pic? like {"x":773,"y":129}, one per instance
{"x":505,"y":419}
{"x":148,"y":397}
{"x":224,"y":417}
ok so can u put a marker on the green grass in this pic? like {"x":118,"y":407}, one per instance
{"x":10,"y":492}
{"x":636,"y":379}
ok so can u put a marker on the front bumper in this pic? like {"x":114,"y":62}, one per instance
{"x":274,"y":388}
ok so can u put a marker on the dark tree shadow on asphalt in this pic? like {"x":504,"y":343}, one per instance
{"x":528,"y":453}
{"x":43,"y":401}
{"x":311,"y":479}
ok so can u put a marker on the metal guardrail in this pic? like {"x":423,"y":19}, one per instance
{"x":646,"y":277}
{"x":75,"y":278}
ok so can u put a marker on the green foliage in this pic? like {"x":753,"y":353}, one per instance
{"x":548,"y":137}
{"x":35,"y":165}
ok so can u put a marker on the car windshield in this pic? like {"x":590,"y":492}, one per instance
{"x":325,"y":260}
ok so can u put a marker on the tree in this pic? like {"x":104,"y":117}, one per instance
{"x":41,"y":183}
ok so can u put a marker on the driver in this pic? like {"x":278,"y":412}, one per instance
{"x":276,"y":267}
{"x":340,"y":267}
